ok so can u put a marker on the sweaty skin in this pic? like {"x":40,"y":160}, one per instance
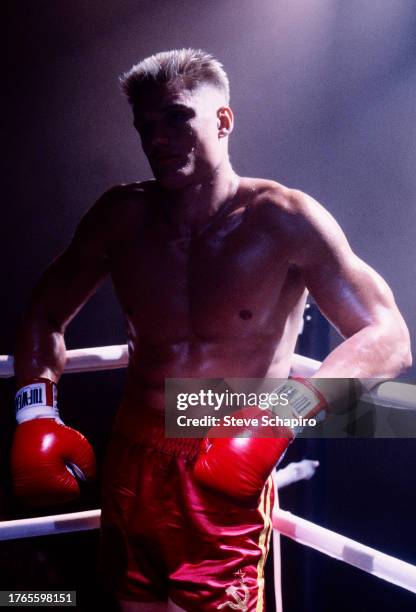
{"x":222,"y":300}
{"x":211,"y":270}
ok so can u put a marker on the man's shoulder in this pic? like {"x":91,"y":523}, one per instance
{"x":137,"y":192}
{"x":293,"y":217}
{"x":118,"y":208}
{"x":121,"y":200}
{"x":279,"y":202}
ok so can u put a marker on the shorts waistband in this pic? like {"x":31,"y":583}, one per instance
{"x":148,"y":430}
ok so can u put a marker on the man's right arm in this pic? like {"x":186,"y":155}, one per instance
{"x":48,"y":458}
{"x":62,"y":290}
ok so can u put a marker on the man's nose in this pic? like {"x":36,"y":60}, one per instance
{"x":159,"y":136}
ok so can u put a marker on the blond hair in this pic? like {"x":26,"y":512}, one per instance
{"x":189,"y":67}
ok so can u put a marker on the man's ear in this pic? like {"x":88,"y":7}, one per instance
{"x":225,"y":121}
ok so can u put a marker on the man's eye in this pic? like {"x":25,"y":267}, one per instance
{"x":177,"y":117}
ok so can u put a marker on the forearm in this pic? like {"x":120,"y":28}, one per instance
{"x":375,"y":352}
{"x":48,"y":457}
{"x":40,"y":350}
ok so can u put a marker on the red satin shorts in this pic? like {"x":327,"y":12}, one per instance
{"x":165,"y":536}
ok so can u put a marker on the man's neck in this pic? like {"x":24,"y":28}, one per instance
{"x":196,"y":204}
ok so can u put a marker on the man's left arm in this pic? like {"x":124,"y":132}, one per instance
{"x":359,"y":303}
{"x":351,"y":295}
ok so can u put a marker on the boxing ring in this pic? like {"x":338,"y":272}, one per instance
{"x":389,"y":394}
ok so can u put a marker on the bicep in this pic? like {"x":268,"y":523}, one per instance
{"x":72,"y":277}
{"x":347,"y":290}
{"x":350,"y":294}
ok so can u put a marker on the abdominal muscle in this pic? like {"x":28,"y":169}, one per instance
{"x":144,"y":393}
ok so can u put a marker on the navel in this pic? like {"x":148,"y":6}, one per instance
{"x":245,"y":314}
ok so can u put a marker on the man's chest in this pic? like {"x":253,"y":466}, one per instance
{"x":228,"y":280}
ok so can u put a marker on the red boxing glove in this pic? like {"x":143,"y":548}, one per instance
{"x":239,"y":466}
{"x":47,"y":456}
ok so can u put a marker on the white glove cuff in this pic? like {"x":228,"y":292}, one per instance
{"x":303,"y":401}
{"x":37,"y":400}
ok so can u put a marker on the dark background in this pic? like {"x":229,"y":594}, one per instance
{"x":324,"y":97}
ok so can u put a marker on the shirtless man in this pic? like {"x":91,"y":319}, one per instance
{"x":212,"y":271}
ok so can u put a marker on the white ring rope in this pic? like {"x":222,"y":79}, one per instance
{"x":333,"y":544}
{"x":344,"y":549}
{"x":390,"y":394}
{"x":50,"y":525}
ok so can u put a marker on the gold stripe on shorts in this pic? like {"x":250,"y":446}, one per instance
{"x":264,"y":539}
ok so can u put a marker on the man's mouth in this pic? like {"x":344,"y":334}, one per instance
{"x":166,"y":159}
{"x":162,"y":161}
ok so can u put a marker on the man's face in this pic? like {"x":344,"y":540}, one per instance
{"x":179,"y":132}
